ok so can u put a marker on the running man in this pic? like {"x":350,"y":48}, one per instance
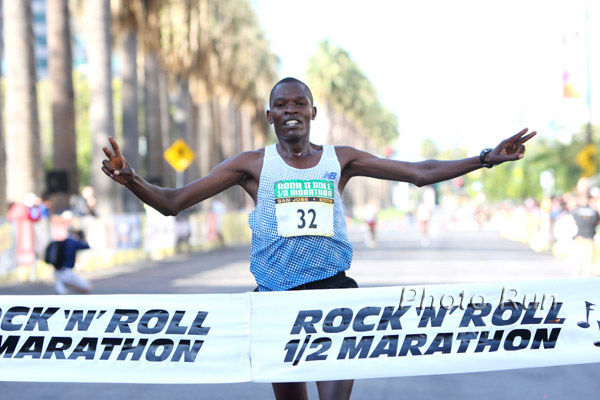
{"x":318,"y":174}
{"x":66,"y":281}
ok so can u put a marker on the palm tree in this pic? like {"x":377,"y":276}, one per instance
{"x":214,"y":54}
{"x":141,"y":18}
{"x":218,"y":47}
{"x":242,"y":65}
{"x":155,"y":167}
{"x":183,"y":120}
{"x":125,"y":15}
{"x":340,"y":83}
{"x":62,"y":94}
{"x":354,"y":113}
{"x":97,"y":23}
{"x":24,"y":172}
{"x":164,"y":107}
{"x":156,"y":96}
{"x":3,"y":208}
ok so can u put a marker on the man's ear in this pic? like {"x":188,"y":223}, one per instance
{"x":269,"y":117}
{"x":314,"y":112}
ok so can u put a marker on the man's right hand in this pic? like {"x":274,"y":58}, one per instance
{"x":116,"y":166}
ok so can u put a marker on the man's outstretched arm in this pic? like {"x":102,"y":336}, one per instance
{"x":359,"y":163}
{"x":172,"y":201}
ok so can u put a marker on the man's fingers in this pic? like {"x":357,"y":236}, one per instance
{"x":107,"y":166}
{"x":517,"y":136}
{"x":526,"y":138}
{"x":108,"y":153}
{"x":106,"y":171}
{"x":115,"y":146}
{"x":115,"y":174}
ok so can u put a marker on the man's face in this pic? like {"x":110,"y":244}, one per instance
{"x":291,"y":110}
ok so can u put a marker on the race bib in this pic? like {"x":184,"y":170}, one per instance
{"x":304,"y":208}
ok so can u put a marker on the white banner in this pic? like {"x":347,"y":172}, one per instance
{"x":300,"y":335}
{"x":395,"y":331}
{"x":125,"y":338}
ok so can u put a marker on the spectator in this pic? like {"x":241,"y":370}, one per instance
{"x":370,"y":217}
{"x":66,"y":279}
{"x":219,"y":209}
{"x":423,"y":218}
{"x":587,"y":220}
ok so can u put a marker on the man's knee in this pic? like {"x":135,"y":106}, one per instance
{"x":335,"y":390}
{"x":290,"y":391}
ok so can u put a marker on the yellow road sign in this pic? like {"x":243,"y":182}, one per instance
{"x":179,"y":155}
{"x":586,"y":159}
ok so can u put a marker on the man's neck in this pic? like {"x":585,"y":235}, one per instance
{"x":295,"y":149}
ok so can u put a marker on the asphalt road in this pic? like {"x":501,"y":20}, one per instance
{"x":399,"y":259}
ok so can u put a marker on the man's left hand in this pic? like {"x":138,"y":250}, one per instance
{"x":510,"y":149}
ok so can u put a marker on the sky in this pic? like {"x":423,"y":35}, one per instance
{"x":464,"y":73}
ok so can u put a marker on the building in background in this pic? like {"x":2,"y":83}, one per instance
{"x":40,"y":45}
{"x":40,"y":48}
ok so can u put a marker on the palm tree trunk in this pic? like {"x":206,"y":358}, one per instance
{"x":246,"y":139}
{"x":131,"y":130}
{"x":24,"y":171}
{"x":97,"y":22}
{"x":183,"y":120}
{"x":260,"y":126}
{"x":64,"y":144}
{"x":198,"y":94}
{"x":169,"y":173}
{"x":154,"y":155}
{"x":216,"y":153}
{"x":227,"y":125}
{"x":3,"y":205}
{"x":247,"y":143}
{"x":205,"y":129}
{"x":230,"y":141}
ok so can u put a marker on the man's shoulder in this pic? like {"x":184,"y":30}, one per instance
{"x":249,"y":162}
{"x":348,"y":155}
{"x":346,"y":151}
{"x":250,"y":155}
{"x":245,"y":158}
{"x":344,"y":148}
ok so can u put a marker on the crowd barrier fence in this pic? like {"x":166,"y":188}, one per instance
{"x":120,"y":239}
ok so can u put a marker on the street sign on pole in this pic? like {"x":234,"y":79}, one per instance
{"x":179,"y":155}
{"x":586,"y":159}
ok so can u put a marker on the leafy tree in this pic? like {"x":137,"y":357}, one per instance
{"x":355,"y":113}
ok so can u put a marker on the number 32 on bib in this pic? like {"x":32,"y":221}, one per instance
{"x":304,"y":208}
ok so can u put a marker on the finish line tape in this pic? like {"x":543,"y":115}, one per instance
{"x":300,"y":335}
